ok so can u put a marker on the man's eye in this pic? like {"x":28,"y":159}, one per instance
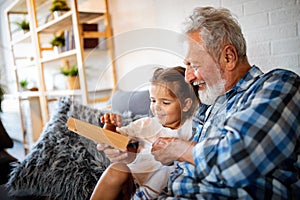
{"x":153,"y":101}
{"x":195,"y":68}
{"x":166,"y":102}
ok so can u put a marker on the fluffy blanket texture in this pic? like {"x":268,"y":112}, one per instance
{"x":62,"y":164}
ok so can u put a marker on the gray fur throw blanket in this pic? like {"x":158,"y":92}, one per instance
{"x":62,"y":164}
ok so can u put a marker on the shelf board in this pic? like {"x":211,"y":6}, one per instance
{"x":104,"y":89}
{"x":63,"y":92}
{"x":99,"y":100}
{"x":60,"y":56}
{"x":22,"y":38}
{"x":70,"y":92}
{"x":28,"y":94}
{"x":19,"y":6}
{"x":87,"y":17}
{"x":57,"y":24}
{"x":65,"y":21}
{"x":27,"y":65}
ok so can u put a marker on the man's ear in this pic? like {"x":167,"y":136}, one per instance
{"x":229,"y":57}
{"x":187,"y":104}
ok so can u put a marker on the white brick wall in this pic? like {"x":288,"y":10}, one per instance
{"x":263,"y":6}
{"x":271,"y":27}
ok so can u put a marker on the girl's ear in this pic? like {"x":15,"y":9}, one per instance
{"x":187,"y":104}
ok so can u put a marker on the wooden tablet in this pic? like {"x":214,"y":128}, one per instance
{"x":98,"y":134}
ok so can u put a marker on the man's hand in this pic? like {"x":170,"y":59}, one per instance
{"x":167,"y":150}
{"x":115,"y":155}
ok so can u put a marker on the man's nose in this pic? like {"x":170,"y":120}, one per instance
{"x":189,"y":74}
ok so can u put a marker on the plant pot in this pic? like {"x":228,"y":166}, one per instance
{"x":58,"y":13}
{"x":58,"y":49}
{"x":23,"y":89}
{"x":25,"y":31}
{"x":73,"y":82}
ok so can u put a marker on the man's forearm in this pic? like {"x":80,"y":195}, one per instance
{"x":187,"y":154}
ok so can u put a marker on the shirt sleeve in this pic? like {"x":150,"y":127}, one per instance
{"x":257,"y":137}
{"x":142,"y":127}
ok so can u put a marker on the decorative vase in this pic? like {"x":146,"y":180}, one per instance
{"x":73,"y":82}
{"x":58,"y":49}
{"x":58,"y":13}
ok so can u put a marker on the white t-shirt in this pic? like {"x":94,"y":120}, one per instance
{"x":148,"y":172}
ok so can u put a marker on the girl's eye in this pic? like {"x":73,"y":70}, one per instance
{"x":166,"y":102}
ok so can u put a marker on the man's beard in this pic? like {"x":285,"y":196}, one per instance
{"x":211,"y":93}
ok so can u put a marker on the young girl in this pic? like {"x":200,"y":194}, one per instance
{"x":173,"y":103}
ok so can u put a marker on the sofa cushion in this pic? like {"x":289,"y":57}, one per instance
{"x":62,"y":164}
{"x":136,"y":102}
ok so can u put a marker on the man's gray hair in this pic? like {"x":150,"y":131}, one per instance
{"x":217,"y":28}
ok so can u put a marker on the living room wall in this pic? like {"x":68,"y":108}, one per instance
{"x":147,"y":34}
{"x":271,"y":29}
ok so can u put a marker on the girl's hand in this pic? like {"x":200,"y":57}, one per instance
{"x":111,"y":121}
{"x":167,"y":150}
{"x":111,"y":118}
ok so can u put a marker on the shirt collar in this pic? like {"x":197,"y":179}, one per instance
{"x":248,"y":79}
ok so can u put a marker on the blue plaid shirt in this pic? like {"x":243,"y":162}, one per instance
{"x":247,"y":142}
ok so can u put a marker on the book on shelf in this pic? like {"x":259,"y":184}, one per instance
{"x":66,"y":35}
{"x":69,"y":40}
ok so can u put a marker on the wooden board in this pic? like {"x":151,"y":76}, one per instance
{"x":98,"y":134}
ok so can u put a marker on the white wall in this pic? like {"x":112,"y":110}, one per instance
{"x":147,"y":33}
{"x":271,"y":29}
{"x":7,"y":75}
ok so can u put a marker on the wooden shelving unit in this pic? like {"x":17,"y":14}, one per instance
{"x":45,"y":64}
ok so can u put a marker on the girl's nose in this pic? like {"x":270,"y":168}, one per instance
{"x":157,"y":107}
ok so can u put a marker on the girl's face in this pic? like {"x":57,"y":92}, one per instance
{"x":164,"y":106}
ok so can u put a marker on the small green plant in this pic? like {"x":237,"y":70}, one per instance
{"x":2,"y":88}
{"x":59,"y":5}
{"x":24,"y":83}
{"x":58,"y":40}
{"x":2,"y":92}
{"x":23,"y":25}
{"x":69,"y":71}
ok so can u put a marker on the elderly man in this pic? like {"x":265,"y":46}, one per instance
{"x":246,"y":132}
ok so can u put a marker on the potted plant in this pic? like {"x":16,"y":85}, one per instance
{"x":2,"y":92}
{"x":71,"y":72}
{"x":58,"y":42}
{"x":23,"y":25}
{"x":58,"y":7}
{"x":24,"y":84}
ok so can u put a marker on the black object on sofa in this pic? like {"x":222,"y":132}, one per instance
{"x":5,"y":140}
{"x":5,"y":158}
